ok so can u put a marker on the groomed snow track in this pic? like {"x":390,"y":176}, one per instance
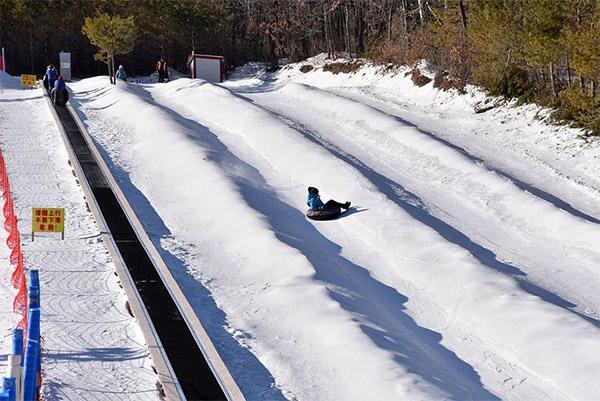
{"x":188,"y":366}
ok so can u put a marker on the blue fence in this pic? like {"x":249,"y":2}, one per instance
{"x":22,"y":377}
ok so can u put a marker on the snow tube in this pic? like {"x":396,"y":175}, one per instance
{"x":325,"y":214}
{"x":60,"y":98}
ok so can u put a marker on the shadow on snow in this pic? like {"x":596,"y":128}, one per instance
{"x":239,"y":360}
{"x":415,"y":207}
{"x":378,"y":308}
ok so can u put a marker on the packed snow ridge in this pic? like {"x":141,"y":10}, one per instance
{"x":466,"y":270}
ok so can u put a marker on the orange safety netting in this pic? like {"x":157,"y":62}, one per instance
{"x":14,"y":243}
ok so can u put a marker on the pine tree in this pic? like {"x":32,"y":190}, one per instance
{"x":448,"y":39}
{"x":542,"y":38}
{"x":496,"y":38}
{"x":112,"y":35}
{"x":582,"y":40}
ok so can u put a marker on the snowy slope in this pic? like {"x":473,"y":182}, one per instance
{"x":92,"y":348}
{"x":449,"y":280}
{"x":536,"y":241}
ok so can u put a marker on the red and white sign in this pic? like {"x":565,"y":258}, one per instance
{"x":210,"y":68}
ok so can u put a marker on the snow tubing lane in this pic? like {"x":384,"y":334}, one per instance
{"x":193,"y":372}
{"x":325,"y":214}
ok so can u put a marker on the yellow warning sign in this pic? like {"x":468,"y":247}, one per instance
{"x":45,"y":219}
{"x":28,"y":80}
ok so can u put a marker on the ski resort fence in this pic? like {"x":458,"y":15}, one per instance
{"x":23,"y":377}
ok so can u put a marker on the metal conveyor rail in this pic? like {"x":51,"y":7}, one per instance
{"x":189,"y":365}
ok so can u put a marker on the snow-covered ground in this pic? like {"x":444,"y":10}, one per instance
{"x":467,"y":269}
{"x":92,"y":348}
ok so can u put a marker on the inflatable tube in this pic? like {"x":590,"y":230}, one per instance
{"x":325,"y":214}
{"x":60,"y":98}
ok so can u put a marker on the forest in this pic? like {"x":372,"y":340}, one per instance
{"x":542,"y":51}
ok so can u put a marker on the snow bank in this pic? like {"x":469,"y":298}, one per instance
{"x":249,"y":71}
{"x":8,"y":81}
{"x":516,"y":138}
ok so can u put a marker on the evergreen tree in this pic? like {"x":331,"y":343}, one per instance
{"x":449,"y":43}
{"x":546,"y":51}
{"x":112,"y":35}
{"x":542,"y":38}
{"x":496,"y":37}
{"x":582,"y":41}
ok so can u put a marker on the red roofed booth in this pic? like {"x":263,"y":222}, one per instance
{"x":209,"y":68}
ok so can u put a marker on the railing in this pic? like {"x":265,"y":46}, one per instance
{"x":23,"y":376}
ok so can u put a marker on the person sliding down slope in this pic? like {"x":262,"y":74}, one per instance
{"x":315,"y":203}
{"x":323,"y":211}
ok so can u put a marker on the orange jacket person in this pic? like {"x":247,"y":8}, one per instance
{"x":161,"y":67}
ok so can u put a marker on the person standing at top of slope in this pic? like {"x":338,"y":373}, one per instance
{"x":45,"y":79}
{"x":315,"y":203}
{"x":121,"y":74}
{"x":50,"y":77}
{"x":162,"y":68}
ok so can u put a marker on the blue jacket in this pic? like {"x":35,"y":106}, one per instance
{"x":314,"y":202}
{"x":51,"y":73}
{"x":59,"y":84}
{"x":120,"y":74}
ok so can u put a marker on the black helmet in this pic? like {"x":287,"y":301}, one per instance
{"x":313,"y":190}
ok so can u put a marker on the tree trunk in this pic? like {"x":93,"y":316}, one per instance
{"x":421,"y":4}
{"x":347,"y":32}
{"x":569,"y":79}
{"x":31,"y":53}
{"x":405,"y":23}
{"x":551,"y":72}
{"x":273,"y":49}
{"x":508,"y":58}
{"x":360,"y":30}
{"x":390,"y":19}
{"x":111,"y":69}
{"x":463,"y":14}
{"x":327,"y":35}
{"x":162,"y":43}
